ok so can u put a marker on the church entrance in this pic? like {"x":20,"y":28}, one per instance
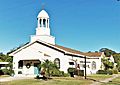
{"x":30,"y":67}
{"x":36,"y":68}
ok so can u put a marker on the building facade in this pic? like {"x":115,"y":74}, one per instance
{"x":42,"y":46}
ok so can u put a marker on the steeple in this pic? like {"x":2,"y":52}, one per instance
{"x":43,"y":23}
{"x":43,"y":29}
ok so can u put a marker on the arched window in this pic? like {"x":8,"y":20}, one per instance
{"x":40,"y":23}
{"x":93,"y":65}
{"x":44,"y":22}
{"x":20,"y":64}
{"x":57,"y":62}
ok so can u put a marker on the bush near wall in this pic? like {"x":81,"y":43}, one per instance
{"x":110,"y":72}
{"x":79,"y":72}
{"x":101,"y":72}
{"x":115,"y":71}
{"x":1,"y":72}
{"x":76,"y":71}
{"x":7,"y":71}
{"x":71,"y":70}
{"x":57,"y":73}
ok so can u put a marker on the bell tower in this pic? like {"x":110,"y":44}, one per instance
{"x":43,"y":24}
{"x":43,"y":29}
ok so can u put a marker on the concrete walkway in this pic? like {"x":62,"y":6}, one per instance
{"x":106,"y":80}
{"x":5,"y":79}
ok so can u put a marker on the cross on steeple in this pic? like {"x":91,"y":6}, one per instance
{"x":43,"y":5}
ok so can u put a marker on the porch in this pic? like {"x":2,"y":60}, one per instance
{"x":28,"y":68}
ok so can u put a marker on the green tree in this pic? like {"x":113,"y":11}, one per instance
{"x":108,"y":65}
{"x":117,"y":60}
{"x":108,"y":52}
{"x":7,"y":58}
{"x":116,"y":56}
{"x":3,"y":57}
{"x":48,"y":67}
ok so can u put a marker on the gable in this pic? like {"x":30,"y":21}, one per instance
{"x":54,"y":47}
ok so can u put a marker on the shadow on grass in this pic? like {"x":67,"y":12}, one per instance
{"x":43,"y":78}
{"x":93,"y":80}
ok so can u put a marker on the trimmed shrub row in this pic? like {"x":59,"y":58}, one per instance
{"x":73,"y":71}
{"x":110,"y":72}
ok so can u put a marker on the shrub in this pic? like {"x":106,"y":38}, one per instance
{"x":57,"y":73}
{"x":79,"y":72}
{"x":115,"y":71}
{"x":110,"y":72}
{"x":1,"y":72}
{"x":71,"y":70}
{"x":12,"y":72}
{"x":19,"y":72}
{"x":66,"y":74}
{"x":6,"y":71}
{"x":101,"y":72}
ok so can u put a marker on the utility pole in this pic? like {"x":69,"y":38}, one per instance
{"x":85,"y":67}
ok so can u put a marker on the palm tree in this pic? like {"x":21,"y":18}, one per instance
{"x":48,"y":67}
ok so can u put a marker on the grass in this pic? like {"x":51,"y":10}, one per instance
{"x":54,"y":81}
{"x":99,"y":76}
{"x":60,"y":81}
{"x":115,"y":81}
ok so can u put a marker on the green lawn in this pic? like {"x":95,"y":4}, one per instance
{"x":99,"y":76}
{"x":60,"y":81}
{"x":54,"y":81}
{"x":115,"y":81}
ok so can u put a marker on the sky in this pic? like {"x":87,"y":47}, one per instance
{"x":84,"y":25}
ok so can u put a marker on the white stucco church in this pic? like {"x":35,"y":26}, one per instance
{"x":42,"y":46}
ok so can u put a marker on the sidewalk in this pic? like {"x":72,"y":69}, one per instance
{"x":106,"y":80}
{"x":5,"y":79}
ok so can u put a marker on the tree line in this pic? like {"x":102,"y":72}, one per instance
{"x":116,"y":56}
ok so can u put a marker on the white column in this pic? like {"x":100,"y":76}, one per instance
{"x":38,"y":22}
{"x":16,"y":67}
{"x":46,"y":22}
{"x":41,"y":22}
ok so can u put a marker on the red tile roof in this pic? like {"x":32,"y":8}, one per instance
{"x":90,"y":54}
{"x":62,"y":49}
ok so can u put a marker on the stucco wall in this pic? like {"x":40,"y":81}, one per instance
{"x":36,"y":51}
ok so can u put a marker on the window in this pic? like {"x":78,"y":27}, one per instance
{"x":57,"y":62}
{"x":20,"y":64}
{"x":40,"y":23}
{"x":44,"y":22}
{"x":71,"y":63}
{"x":93,"y":65}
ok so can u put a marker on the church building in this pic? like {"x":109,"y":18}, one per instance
{"x":42,"y":46}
